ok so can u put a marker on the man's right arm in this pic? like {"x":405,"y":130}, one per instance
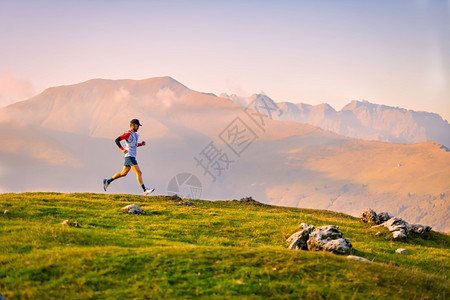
{"x":122,"y":137}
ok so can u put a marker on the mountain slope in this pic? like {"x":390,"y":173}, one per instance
{"x":63,"y":140}
{"x":220,"y":249}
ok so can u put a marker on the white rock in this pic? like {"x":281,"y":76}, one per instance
{"x":133,"y":209}
{"x":358,"y":258}
{"x":401,"y":234}
{"x":298,"y":240}
{"x":329,"y":238}
{"x":402,"y":251}
{"x":338,"y":246}
{"x":307,"y":227}
{"x":6,"y":212}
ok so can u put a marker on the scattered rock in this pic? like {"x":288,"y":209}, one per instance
{"x":419,"y":229}
{"x":398,"y":235}
{"x":402,"y":251}
{"x":239,"y":282}
{"x":400,"y":228}
{"x":383,"y":217}
{"x":67,"y":223}
{"x":187,"y":203}
{"x":174,"y":198}
{"x":369,"y":216}
{"x":6,"y":212}
{"x":329,"y":238}
{"x":247,"y":199}
{"x":298,"y":240}
{"x":358,"y":258}
{"x":338,"y":246}
{"x":306,"y":226}
{"x":133,"y":209}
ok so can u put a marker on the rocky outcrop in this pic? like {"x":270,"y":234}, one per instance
{"x":400,"y":228}
{"x":328,"y":238}
{"x":298,"y":240}
{"x":369,"y":216}
{"x":419,"y":229}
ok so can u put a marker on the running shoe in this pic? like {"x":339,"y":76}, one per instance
{"x":148,"y":192}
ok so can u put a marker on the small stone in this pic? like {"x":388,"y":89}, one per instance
{"x":358,"y":258}
{"x":6,"y":212}
{"x":174,"y":197}
{"x":133,"y":209}
{"x":188,"y":203}
{"x":402,"y":251}
{"x":75,"y":224}
{"x":378,"y":233}
{"x":65,"y":222}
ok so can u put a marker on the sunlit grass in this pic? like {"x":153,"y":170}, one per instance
{"x":212,"y":249}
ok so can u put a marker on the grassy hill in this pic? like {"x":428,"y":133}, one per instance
{"x":222,"y":249}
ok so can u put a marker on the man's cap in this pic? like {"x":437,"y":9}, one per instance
{"x":135,"y":121}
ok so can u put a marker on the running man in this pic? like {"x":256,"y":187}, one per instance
{"x":131,"y":140}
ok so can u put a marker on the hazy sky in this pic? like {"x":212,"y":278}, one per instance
{"x":388,"y":52}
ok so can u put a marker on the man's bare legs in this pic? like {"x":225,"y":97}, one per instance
{"x":122,"y":173}
{"x":138,"y":172}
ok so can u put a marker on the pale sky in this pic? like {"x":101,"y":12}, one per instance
{"x":388,"y":52}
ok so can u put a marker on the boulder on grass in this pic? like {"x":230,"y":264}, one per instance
{"x":329,"y":238}
{"x":133,"y":209}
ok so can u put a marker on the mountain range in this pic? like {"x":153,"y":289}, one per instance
{"x":63,"y":140}
{"x":362,"y":120}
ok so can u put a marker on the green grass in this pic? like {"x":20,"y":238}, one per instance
{"x":221,"y":249}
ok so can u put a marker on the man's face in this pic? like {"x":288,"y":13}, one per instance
{"x":134,"y":127}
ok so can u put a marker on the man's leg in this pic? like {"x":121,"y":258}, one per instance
{"x":122,"y":173}
{"x":138,"y":172}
